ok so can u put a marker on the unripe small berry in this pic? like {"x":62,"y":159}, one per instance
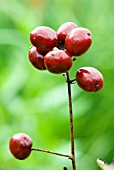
{"x":20,"y":146}
{"x":89,"y":79}
{"x":58,"y":61}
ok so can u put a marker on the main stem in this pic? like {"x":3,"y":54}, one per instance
{"x":71,"y":122}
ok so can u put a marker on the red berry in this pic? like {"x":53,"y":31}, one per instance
{"x":20,"y":146}
{"x":89,"y":79}
{"x":78,"y":41}
{"x":44,"y":38}
{"x":36,"y":59}
{"x":58,"y":61}
{"x":62,"y":32}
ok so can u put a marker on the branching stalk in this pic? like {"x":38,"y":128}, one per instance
{"x":72,"y":156}
{"x":54,"y":153}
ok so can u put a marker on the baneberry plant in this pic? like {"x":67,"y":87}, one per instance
{"x":53,"y":51}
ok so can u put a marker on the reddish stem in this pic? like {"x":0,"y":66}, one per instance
{"x":71,"y":122}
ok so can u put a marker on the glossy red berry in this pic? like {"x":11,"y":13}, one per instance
{"x":89,"y":79}
{"x":62,"y":32}
{"x":58,"y":61}
{"x":36,"y":59}
{"x":20,"y":146}
{"x":78,"y":41}
{"x":44,"y":38}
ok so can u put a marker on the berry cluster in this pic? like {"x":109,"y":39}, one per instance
{"x":53,"y":51}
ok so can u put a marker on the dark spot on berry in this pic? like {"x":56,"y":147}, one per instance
{"x":52,"y":54}
{"x":97,"y":86}
{"x":88,"y":34}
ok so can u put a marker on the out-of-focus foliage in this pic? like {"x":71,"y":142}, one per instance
{"x":35,"y":102}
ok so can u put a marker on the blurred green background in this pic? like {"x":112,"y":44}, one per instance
{"x":35,"y":102}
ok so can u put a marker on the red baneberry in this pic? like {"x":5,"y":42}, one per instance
{"x":44,"y":38}
{"x":62,"y":32}
{"x":20,"y":146}
{"x":36,"y":59}
{"x":89,"y":79}
{"x":58,"y":61}
{"x":78,"y":41}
